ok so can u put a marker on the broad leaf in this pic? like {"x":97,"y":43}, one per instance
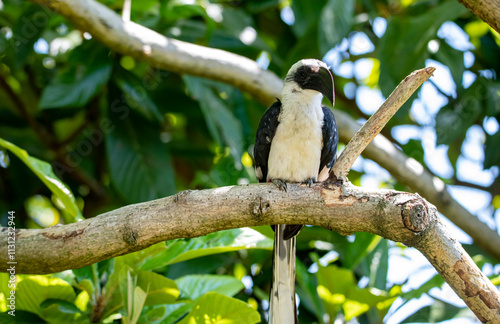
{"x":160,"y":290}
{"x":403,"y":48}
{"x":32,"y":291}
{"x":335,"y":23}
{"x":223,"y":126}
{"x":193,"y":286}
{"x":44,"y":172}
{"x":136,"y":94}
{"x":27,"y":30}
{"x":438,"y":312}
{"x":218,"y":242}
{"x":140,"y":164}
{"x":75,"y":87}
{"x":216,"y":308}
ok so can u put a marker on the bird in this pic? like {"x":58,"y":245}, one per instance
{"x":296,"y":141}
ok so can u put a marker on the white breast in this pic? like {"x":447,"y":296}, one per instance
{"x":296,"y":147}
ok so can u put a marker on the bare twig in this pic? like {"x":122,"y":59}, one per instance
{"x":378,"y":120}
{"x":410,"y":172}
{"x":398,"y":216}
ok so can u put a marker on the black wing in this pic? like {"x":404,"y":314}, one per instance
{"x":265,"y":133}
{"x":330,"y":140}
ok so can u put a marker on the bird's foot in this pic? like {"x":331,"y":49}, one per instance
{"x":281,"y":184}
{"x":310,"y":182}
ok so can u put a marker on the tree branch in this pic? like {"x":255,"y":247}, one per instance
{"x":131,"y":39}
{"x":487,"y":10}
{"x":398,"y":216}
{"x":377,"y":121}
{"x":411,"y":173}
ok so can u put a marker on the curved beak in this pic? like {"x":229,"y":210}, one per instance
{"x":322,"y":81}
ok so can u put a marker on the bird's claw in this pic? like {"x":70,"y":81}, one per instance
{"x":310,"y":182}
{"x":281,"y":184}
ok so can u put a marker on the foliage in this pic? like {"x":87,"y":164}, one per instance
{"x":117,"y":131}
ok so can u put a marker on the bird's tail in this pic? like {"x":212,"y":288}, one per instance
{"x":282,"y":309}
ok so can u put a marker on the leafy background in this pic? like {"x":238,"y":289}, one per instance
{"x":84,"y":130}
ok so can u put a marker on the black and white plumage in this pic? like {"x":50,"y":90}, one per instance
{"x":296,"y":141}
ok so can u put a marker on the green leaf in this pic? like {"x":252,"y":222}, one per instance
{"x":160,"y":290}
{"x":218,"y":242}
{"x":22,"y":317}
{"x":75,"y":87}
{"x":59,"y":311}
{"x":380,"y":267}
{"x":78,"y":92}
{"x":217,"y":308}
{"x":224,"y":127}
{"x":454,"y":60}
{"x":61,"y":305}
{"x":438,"y":312}
{"x":338,"y":289}
{"x":307,"y":291}
{"x":44,"y":172}
{"x":363,"y":244}
{"x":136,"y":94}
{"x":403,"y":48}
{"x":306,"y":15}
{"x":27,"y":30}
{"x":32,"y":291}
{"x":140,"y":164}
{"x":454,"y":119}
{"x":175,"y":311}
{"x":414,"y":149}
{"x":335,"y":23}
{"x":193,"y":286}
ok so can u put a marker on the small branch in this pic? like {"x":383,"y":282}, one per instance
{"x":411,"y":173}
{"x":378,"y":120}
{"x":398,"y":216}
{"x":42,"y":133}
{"x":127,"y":5}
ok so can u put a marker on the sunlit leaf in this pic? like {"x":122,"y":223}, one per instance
{"x":44,"y":172}
{"x":160,"y":290}
{"x":32,"y":291}
{"x":217,"y":308}
{"x":193,"y":286}
{"x":218,"y":242}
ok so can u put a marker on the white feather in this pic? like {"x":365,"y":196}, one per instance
{"x":296,"y":147}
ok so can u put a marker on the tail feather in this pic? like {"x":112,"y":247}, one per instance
{"x":282,"y":298}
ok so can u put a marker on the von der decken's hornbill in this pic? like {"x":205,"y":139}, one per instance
{"x":296,"y":141}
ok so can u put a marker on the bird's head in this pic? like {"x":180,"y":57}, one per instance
{"x":311,"y":74}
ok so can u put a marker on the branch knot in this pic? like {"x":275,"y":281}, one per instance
{"x":415,"y":215}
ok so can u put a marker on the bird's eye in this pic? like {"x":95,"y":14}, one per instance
{"x":302,"y":74}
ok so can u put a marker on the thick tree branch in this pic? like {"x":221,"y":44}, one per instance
{"x":487,"y":10}
{"x":377,"y":121}
{"x":398,"y":216}
{"x":131,"y":39}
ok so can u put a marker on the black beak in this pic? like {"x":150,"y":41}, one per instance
{"x":321,"y":81}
